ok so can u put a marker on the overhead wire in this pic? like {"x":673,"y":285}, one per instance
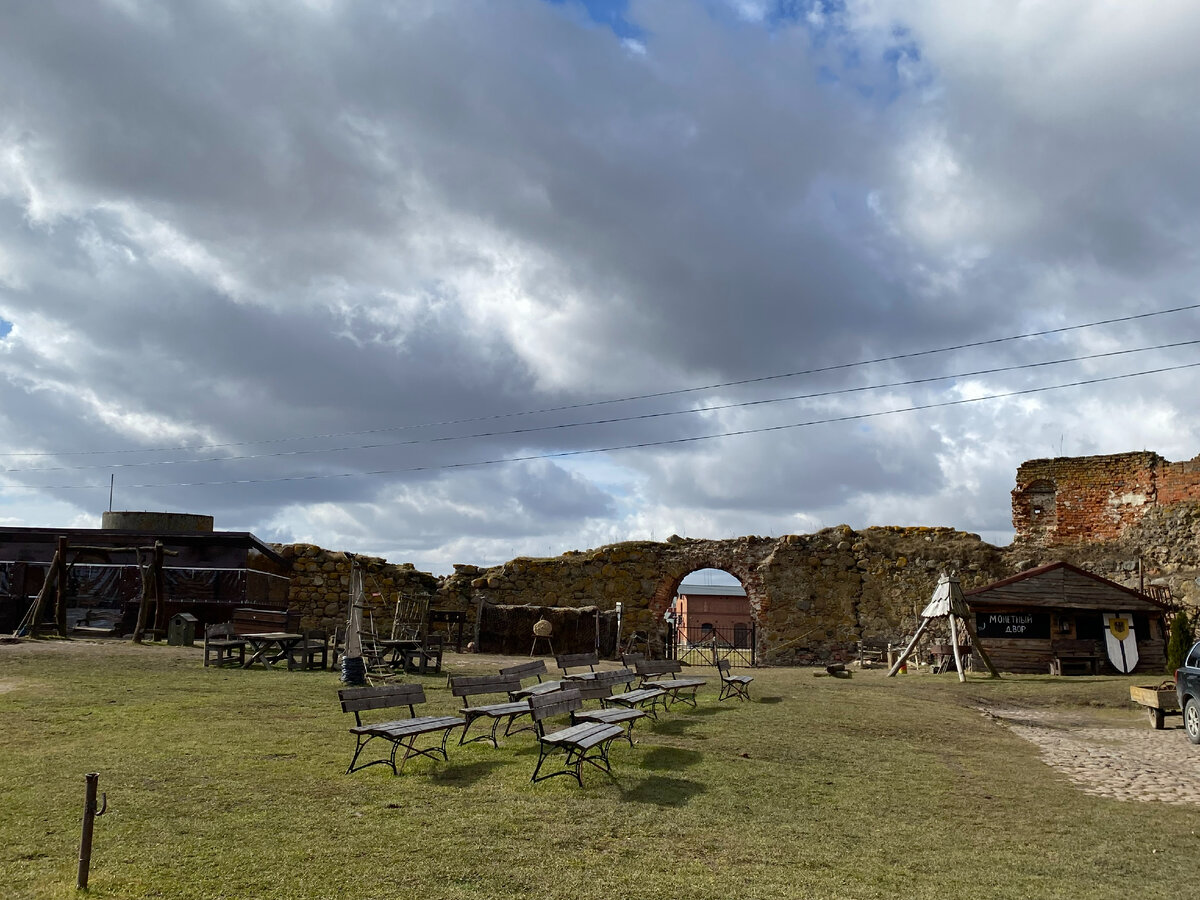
{"x":629,"y":399}
{"x":849,"y":417}
{"x":559,"y":426}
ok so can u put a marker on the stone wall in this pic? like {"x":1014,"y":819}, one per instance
{"x":320,"y":585}
{"x":1133,"y":518}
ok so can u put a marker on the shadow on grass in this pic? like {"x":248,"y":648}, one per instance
{"x":463,"y":776}
{"x":670,"y":758}
{"x":662,"y":791}
{"x":768,"y":700}
{"x":674,"y":727}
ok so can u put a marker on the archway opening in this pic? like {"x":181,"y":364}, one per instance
{"x":712,"y":617}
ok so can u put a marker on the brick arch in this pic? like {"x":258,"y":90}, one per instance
{"x":729,"y":556}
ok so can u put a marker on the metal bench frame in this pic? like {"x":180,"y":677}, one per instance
{"x":399,"y":733}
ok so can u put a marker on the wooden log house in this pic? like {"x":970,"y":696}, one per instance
{"x":1051,"y":619}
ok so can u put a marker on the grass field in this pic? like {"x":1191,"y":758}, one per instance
{"x":231,"y":784}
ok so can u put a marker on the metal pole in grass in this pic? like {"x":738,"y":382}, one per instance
{"x":90,"y":813}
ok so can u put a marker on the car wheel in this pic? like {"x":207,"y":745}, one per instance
{"x":1191,"y":720}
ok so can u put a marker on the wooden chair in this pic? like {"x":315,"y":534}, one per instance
{"x":427,"y":658}
{"x":221,"y":644}
{"x":314,"y":647}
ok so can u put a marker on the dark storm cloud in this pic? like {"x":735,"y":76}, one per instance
{"x":366,"y":229}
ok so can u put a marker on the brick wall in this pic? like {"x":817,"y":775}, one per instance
{"x":1094,"y":499}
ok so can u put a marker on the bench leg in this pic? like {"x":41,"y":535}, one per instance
{"x":390,"y":761}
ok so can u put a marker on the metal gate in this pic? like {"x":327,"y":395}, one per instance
{"x":703,"y":646}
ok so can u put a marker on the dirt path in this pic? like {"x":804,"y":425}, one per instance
{"x":1121,"y":763}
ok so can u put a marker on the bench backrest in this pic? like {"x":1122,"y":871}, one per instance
{"x":554,"y":703}
{"x":384,"y":696}
{"x":723,"y":667}
{"x":1075,"y":645}
{"x":224,"y":630}
{"x":615,"y":676}
{"x":629,"y":659}
{"x":472,"y":685}
{"x":593,"y":689}
{"x":578,"y":660}
{"x":524,"y":670}
{"x":258,"y":621}
{"x":657,"y":666}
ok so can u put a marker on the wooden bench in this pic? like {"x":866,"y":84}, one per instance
{"x":585,"y":742}
{"x":1076,"y":656}
{"x":221,"y":644}
{"x":399,"y":733}
{"x":568,"y":661}
{"x":677,"y":689}
{"x":601,"y":689}
{"x":732,"y":685}
{"x":467,"y":686}
{"x":643,"y":699}
{"x":247,"y":620}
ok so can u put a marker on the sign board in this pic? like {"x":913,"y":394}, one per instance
{"x":1022,"y":625}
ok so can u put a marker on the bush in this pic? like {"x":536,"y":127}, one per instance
{"x":1180,"y":640}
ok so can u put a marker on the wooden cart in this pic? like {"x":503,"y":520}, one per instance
{"x":1160,"y":701}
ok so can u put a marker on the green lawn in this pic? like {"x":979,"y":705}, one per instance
{"x":231,"y":784}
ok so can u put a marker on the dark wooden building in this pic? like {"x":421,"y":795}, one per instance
{"x":1052,"y":618}
{"x":206,"y":573}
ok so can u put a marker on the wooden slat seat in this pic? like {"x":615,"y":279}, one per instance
{"x":467,"y":686}
{"x":400,"y":732}
{"x":639,"y":698}
{"x":677,"y":689}
{"x":624,"y":717}
{"x":222,"y":647}
{"x":732,"y":685}
{"x":585,"y":742}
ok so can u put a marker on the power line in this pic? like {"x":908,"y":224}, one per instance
{"x":615,"y":420}
{"x":648,"y":396}
{"x":852,"y":417}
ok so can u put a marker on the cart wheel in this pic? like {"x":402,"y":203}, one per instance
{"x":1156,"y":717}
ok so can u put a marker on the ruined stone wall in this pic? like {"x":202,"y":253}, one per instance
{"x":320,"y":585}
{"x":1161,"y":549}
{"x":813,"y":596}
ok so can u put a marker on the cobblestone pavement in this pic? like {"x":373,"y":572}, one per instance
{"x":1135,"y":763}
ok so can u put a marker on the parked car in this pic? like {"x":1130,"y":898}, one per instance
{"x":1187,"y":686}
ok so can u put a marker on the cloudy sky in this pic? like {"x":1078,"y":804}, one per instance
{"x":457,"y":281}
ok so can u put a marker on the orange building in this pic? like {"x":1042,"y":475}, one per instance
{"x":713,"y":613}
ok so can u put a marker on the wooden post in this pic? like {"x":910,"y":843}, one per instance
{"x":909,"y":649}
{"x":977,"y":647}
{"x":89,"y":817}
{"x":35,"y":616}
{"x":60,"y":595}
{"x":160,"y":589}
{"x":954,"y":646}
{"x":139,"y":631}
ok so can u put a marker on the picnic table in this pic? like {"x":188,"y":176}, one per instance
{"x":398,"y":647}
{"x":269,"y":647}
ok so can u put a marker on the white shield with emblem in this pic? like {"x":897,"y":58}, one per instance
{"x":1120,"y":641}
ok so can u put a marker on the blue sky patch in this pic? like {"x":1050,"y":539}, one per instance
{"x":609,"y":13}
